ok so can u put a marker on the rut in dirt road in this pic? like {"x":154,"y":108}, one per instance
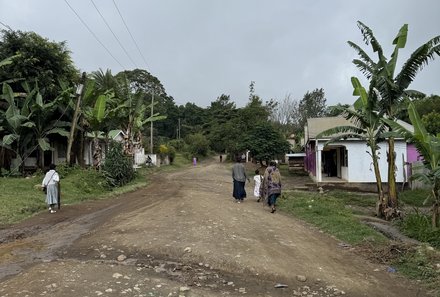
{"x":184,"y":236}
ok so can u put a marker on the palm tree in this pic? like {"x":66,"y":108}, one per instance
{"x":392,"y":89}
{"x":368,"y":126}
{"x":429,"y":146}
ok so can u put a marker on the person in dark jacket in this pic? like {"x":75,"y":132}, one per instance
{"x":239,"y":178}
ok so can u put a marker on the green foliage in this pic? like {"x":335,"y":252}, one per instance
{"x":416,"y":198}
{"x":432,"y":122}
{"x":39,"y":61}
{"x":329,"y":214}
{"x":418,"y":226}
{"x":118,"y":168}
{"x":197,"y":144}
{"x":313,"y":105}
{"x":177,"y":144}
{"x":265,"y":143}
{"x":392,"y":89}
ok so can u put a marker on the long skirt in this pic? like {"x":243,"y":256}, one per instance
{"x":239,"y":192}
{"x":52,"y":194}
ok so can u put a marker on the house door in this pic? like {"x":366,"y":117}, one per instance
{"x":330,"y":161}
{"x":47,"y":158}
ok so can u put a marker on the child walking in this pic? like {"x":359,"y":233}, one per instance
{"x":258,"y":178}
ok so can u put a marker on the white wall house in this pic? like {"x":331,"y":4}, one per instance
{"x":347,"y":160}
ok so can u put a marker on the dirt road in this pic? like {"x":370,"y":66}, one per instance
{"x":183,"y":236}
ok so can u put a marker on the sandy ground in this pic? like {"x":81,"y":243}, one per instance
{"x":184,"y":236}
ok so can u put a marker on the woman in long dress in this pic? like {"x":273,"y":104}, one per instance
{"x":272,"y":185}
{"x":50,"y":181}
{"x":239,"y":178}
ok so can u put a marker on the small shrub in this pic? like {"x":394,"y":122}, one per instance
{"x":118,"y":168}
{"x":418,"y":226}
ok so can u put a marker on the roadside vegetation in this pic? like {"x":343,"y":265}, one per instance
{"x":337,"y":213}
{"x":23,"y":197}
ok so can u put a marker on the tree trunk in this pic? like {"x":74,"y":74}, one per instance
{"x":392,"y":189}
{"x":435,"y":207}
{"x":380,"y":205}
{"x":435,"y":218}
{"x":97,"y":159}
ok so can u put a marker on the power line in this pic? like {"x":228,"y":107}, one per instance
{"x":114,"y":35}
{"x":94,"y":35}
{"x":6,"y":26}
{"x":131,"y":35}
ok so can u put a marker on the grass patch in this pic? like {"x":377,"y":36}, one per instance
{"x":330,"y":215}
{"x":420,"y":263}
{"x":355,"y":199}
{"x":415,"y":197}
{"x":20,"y":198}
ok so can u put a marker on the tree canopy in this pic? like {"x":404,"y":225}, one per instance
{"x":37,"y":60}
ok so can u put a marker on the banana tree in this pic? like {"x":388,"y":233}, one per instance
{"x":392,"y":89}
{"x":41,"y":112}
{"x":134,"y":114}
{"x":15,"y":124}
{"x":368,"y":126}
{"x":96,"y":119}
{"x":429,"y":147}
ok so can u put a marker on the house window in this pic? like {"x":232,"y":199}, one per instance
{"x":344,"y":157}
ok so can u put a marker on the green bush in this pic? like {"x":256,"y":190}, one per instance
{"x":118,"y":168}
{"x":198,"y":145}
{"x":178,"y":144}
{"x":418,"y":226}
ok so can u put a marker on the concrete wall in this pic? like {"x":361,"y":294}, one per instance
{"x":360,"y":166}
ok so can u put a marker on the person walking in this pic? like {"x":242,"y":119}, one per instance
{"x":50,"y":185}
{"x":239,"y":178}
{"x":272,"y":185}
{"x":258,"y":178}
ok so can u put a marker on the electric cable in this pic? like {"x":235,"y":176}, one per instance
{"x":131,"y":35}
{"x":94,"y":35}
{"x":114,"y":35}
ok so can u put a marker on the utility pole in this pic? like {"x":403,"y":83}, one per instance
{"x":151,"y":124}
{"x":79,"y":91}
{"x":178,"y":130}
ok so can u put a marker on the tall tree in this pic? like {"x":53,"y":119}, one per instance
{"x":392,"y":88}
{"x":313,"y":105}
{"x":285,"y":115}
{"x":265,"y":143}
{"x":39,"y":61}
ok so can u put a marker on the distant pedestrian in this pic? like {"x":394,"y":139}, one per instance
{"x":221,"y":158}
{"x":272,"y":185}
{"x":194,"y":161}
{"x":258,"y":181}
{"x":239,"y":178}
{"x":51,"y":185}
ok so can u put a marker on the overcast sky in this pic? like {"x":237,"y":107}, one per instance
{"x":200,"y":49}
